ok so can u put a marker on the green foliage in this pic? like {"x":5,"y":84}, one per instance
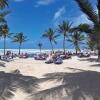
{"x":3,"y":4}
{"x":65,"y":28}
{"x":39,"y":44}
{"x":19,"y":38}
{"x":2,"y":16}
{"x":76,"y":39}
{"x":50,"y":34}
{"x":91,"y":45}
{"x":88,"y":10}
{"x":4,"y":30}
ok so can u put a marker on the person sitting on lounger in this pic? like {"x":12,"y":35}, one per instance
{"x":58,"y":60}
{"x":49,"y":59}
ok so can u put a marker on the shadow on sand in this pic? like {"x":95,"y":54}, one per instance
{"x":75,"y":69}
{"x":2,"y":64}
{"x":75,"y":86}
{"x":10,"y":82}
{"x":89,"y":59}
{"x":96,"y":65}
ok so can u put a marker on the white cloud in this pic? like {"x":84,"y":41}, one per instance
{"x":18,"y":0}
{"x":59,"y":13}
{"x":44,"y":2}
{"x":59,"y":16}
{"x":81,"y":20}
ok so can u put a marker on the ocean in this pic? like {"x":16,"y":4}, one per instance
{"x":31,"y":51}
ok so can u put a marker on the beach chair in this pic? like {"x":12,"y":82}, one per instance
{"x":49,"y":62}
{"x":39,"y":57}
{"x":58,"y":61}
{"x":65,"y":57}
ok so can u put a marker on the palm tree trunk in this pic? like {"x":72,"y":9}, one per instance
{"x":4,"y":46}
{"x":98,"y":47}
{"x":76,"y":51}
{"x":77,"y":48}
{"x":64,"y":45}
{"x":99,"y":55}
{"x":52,"y":46}
{"x":19,"y":48}
{"x":40,"y":50}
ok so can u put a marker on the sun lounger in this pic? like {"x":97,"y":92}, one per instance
{"x":23,"y":56}
{"x":4,"y":58}
{"x":65,"y":57}
{"x":49,"y":61}
{"x":58,"y":61}
{"x":81,"y":55}
{"x":38,"y":57}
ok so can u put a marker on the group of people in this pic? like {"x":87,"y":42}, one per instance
{"x":10,"y":55}
{"x":54,"y":58}
{"x":58,"y":56}
{"x":23,"y":55}
{"x":51,"y":57}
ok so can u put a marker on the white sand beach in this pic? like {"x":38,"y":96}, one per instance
{"x":31,"y":67}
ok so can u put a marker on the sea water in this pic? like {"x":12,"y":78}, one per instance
{"x":32,"y":51}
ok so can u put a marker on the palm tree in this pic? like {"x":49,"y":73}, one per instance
{"x":4,"y":32}
{"x":3,"y":4}
{"x":40,"y":46}
{"x":94,"y":17}
{"x":76,"y":39}
{"x":91,"y":45}
{"x":19,"y":38}
{"x":2,"y":17}
{"x":64,"y":28}
{"x":50,"y":34}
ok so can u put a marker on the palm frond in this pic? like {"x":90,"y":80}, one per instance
{"x":98,"y":7}
{"x":86,"y":7}
{"x":91,"y":44}
{"x":3,"y":15}
{"x":76,"y":39}
{"x":83,"y":28}
{"x":4,"y":30}
{"x":65,"y":27}
{"x":3,"y":4}
{"x":50,"y":34}
{"x":56,"y":35}
{"x":19,"y":38}
{"x":40,"y":44}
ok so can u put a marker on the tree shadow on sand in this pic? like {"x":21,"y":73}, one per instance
{"x":75,"y":69}
{"x":89,"y":59}
{"x":95,"y":65}
{"x":10,"y":82}
{"x":75,"y":86}
{"x":2,"y":64}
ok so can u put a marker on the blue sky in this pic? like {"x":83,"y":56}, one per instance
{"x":33,"y":17}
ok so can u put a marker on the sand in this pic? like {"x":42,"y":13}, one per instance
{"x":31,"y":67}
